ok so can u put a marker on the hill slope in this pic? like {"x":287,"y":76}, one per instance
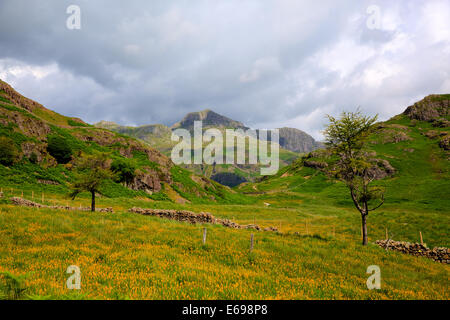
{"x":412,"y":163}
{"x":29,"y":125}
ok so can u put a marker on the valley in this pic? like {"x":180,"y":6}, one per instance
{"x":316,"y":254}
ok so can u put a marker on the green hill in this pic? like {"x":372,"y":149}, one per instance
{"x":412,"y":161}
{"x":29,"y":126}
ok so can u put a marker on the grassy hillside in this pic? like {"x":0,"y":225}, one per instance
{"x":417,"y":197}
{"x":29,"y":126}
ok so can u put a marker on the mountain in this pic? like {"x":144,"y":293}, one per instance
{"x":209,"y":119}
{"x":298,"y":141}
{"x":28,"y":126}
{"x":292,"y":142}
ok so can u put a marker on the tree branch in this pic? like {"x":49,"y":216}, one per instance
{"x":381,"y":203}
{"x":355,"y":201}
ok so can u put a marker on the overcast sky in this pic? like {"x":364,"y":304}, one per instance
{"x":265,"y":63}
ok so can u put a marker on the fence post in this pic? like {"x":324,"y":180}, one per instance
{"x":204,"y":235}
{"x":387,"y":234}
{"x":251,"y":242}
{"x":421,"y":239}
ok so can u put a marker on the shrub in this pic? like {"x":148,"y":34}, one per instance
{"x":33,"y":158}
{"x":125,"y":170}
{"x":228,"y":179}
{"x":8,"y":151}
{"x":59,"y":149}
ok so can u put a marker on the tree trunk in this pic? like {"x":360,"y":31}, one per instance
{"x":93,"y":201}
{"x":364,"y":229}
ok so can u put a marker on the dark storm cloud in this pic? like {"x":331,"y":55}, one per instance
{"x":266,"y":63}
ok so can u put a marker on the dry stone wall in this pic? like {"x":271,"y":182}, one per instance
{"x":27,"y":203}
{"x":439,"y":254}
{"x":193,"y":218}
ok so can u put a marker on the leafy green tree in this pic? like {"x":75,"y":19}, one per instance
{"x":346,"y":138}
{"x":8,"y":151}
{"x":92,"y":172}
{"x":125,"y":170}
{"x":59,"y":149}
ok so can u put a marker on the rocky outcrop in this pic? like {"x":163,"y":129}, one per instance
{"x":27,"y":203}
{"x":315,"y":164}
{"x":445,"y":142}
{"x":148,"y":181}
{"x":297,"y":141}
{"x":430,"y":108}
{"x":438,"y":254}
{"x":194,"y":218}
{"x":381,"y":169}
{"x":18,"y":99}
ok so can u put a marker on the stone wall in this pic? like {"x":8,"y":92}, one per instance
{"x":193,"y":218}
{"x":439,"y":254}
{"x":27,"y":203}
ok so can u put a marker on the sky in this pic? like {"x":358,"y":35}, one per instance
{"x":265,"y":63}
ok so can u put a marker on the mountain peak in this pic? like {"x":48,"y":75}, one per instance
{"x":210,"y":119}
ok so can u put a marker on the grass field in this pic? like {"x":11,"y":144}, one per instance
{"x":128,"y":256}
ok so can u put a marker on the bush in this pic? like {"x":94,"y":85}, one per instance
{"x":59,"y":149}
{"x":125,"y":170}
{"x":228,"y":179}
{"x":33,"y":158}
{"x":8,"y":151}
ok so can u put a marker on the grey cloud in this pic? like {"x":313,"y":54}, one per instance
{"x":256,"y":61}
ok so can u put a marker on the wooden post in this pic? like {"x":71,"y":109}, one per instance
{"x":251,"y":242}
{"x":204,"y":235}
{"x":421,"y":239}
{"x":387,"y":235}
